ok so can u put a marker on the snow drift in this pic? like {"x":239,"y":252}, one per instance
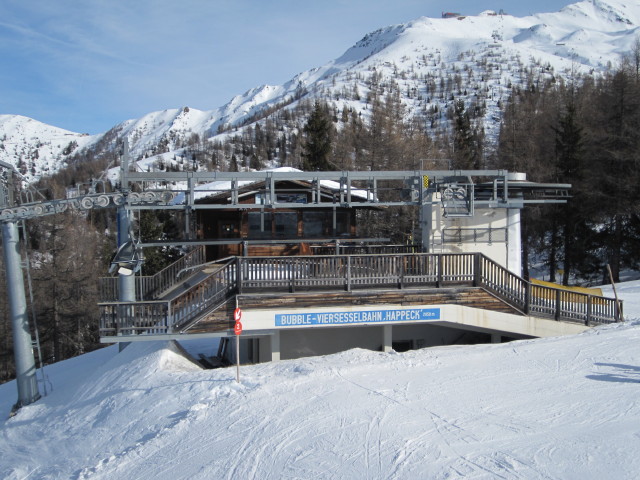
{"x":554,"y":408}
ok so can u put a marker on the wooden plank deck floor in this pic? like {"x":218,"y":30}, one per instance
{"x":222,"y":319}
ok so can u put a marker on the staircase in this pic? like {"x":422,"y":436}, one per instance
{"x":170,"y":298}
{"x":152,"y":287}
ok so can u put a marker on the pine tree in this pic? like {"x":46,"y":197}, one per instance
{"x":616,"y":148}
{"x":577,"y":234}
{"x":64,"y":281}
{"x":233,"y":164}
{"x":318,"y":139}
{"x":153,"y":226}
{"x":467,"y":145}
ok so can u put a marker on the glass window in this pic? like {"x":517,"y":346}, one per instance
{"x":229,"y":230}
{"x":291,"y":198}
{"x":343,"y":224}
{"x":259,"y":225}
{"x":315,"y":224}
{"x":286,"y":224}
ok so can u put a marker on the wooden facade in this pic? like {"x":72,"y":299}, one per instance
{"x":274,"y":232}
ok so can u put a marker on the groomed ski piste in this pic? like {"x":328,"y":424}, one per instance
{"x":556,"y":408}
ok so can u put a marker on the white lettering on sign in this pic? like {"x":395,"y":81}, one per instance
{"x":295,"y":319}
{"x":363,"y":316}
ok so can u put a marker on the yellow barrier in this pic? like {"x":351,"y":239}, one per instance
{"x":550,"y":295}
{"x":589,"y":291}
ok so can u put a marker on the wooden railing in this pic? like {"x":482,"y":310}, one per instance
{"x":542,"y":301}
{"x":351,"y":272}
{"x":355,"y":271}
{"x":168,"y":316}
{"x":149,"y":287}
{"x":415,"y":270}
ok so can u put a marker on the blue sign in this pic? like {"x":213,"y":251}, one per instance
{"x":362,"y":316}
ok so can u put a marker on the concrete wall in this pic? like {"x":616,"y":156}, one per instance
{"x":506,"y":253}
{"x":325,"y":341}
{"x":450,"y":324}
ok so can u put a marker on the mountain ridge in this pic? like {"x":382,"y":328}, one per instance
{"x":479,"y":57}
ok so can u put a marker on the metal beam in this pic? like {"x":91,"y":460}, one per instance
{"x":499,"y":193}
{"x":239,"y":241}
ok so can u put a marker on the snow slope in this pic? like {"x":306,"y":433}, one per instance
{"x":557,"y":408}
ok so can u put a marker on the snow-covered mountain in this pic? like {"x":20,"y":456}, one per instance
{"x":429,"y":61}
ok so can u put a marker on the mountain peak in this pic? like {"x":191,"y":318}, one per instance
{"x":614,"y":11}
{"x":475,"y":58}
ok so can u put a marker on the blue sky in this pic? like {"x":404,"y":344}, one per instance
{"x":86,"y":65}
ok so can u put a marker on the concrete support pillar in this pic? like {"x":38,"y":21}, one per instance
{"x":126,"y":283}
{"x":255,"y":350}
{"x":22,"y":342}
{"x":514,"y":229}
{"x":514,"y":239}
{"x":275,"y":346}
{"x":126,"y":280}
{"x":387,"y":338}
{"x":496,"y":338}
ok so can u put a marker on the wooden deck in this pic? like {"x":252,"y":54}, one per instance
{"x":474,"y":297}
{"x":303,"y":282}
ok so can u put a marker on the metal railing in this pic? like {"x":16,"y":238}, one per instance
{"x":169,"y":316}
{"x":355,"y":271}
{"x":150,"y":287}
{"x":132,"y":318}
{"x":351,"y":272}
{"x":365,"y":249}
{"x":542,"y":301}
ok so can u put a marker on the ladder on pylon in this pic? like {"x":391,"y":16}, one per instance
{"x":35,"y":341}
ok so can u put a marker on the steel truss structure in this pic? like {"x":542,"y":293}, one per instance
{"x":459,"y":191}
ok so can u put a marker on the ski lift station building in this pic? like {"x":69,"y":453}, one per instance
{"x":285,"y":248}
{"x":282,"y":249}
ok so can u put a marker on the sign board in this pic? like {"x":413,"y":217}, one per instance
{"x":237,"y":314}
{"x":356,"y":317}
{"x":237,"y":328}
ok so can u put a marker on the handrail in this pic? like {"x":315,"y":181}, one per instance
{"x":412,"y":270}
{"x":204,"y":296}
{"x":543,"y":301}
{"x":168,"y":316}
{"x":351,"y":272}
{"x":149,"y":287}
